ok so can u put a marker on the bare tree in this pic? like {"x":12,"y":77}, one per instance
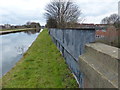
{"x":111,"y":19}
{"x":105,"y":20}
{"x":51,"y":23}
{"x":63,"y":12}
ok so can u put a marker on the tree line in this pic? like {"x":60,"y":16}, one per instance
{"x":112,"y":19}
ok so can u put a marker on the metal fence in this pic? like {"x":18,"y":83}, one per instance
{"x":71,"y":43}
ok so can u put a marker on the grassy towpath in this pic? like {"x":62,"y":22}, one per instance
{"x":42,"y":66}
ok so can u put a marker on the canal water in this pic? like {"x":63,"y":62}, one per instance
{"x":12,"y":48}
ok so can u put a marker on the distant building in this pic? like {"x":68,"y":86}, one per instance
{"x":35,"y":25}
{"x":119,"y":8}
{"x":101,"y":30}
{"x":7,"y":26}
{"x":110,"y":34}
{"x":28,"y":25}
{"x":100,"y":34}
{"x":1,"y":27}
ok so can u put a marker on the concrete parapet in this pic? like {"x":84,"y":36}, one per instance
{"x":99,"y":65}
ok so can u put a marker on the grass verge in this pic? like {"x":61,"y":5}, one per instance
{"x":42,"y":66}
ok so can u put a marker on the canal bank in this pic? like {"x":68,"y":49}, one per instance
{"x":13,"y":46}
{"x":42,"y":66}
{"x":15,"y":30}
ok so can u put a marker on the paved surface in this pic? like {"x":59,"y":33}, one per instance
{"x":112,"y":51}
{"x":99,"y":65}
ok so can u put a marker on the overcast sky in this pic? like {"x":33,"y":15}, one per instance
{"x":18,"y":12}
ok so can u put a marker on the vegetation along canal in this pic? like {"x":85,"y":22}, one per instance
{"x":13,"y":46}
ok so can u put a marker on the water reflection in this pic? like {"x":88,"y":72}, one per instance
{"x":32,"y":31}
{"x":13,"y":47}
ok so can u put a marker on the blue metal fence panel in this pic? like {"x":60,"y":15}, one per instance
{"x":72,"y":44}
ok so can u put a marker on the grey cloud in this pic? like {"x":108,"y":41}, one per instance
{"x":21,"y":14}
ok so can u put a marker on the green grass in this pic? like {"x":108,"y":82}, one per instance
{"x":42,"y":66}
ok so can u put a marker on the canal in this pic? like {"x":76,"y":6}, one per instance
{"x":12,"y":48}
